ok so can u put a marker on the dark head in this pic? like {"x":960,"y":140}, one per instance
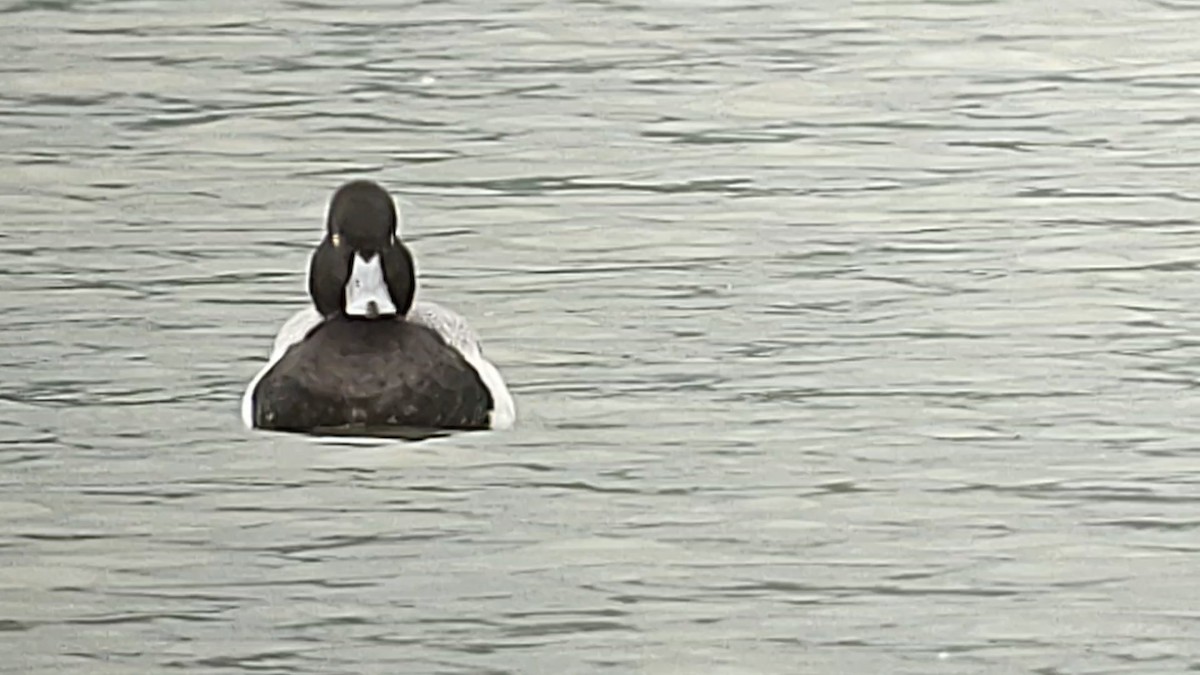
{"x":361,"y":268}
{"x":363,"y":215}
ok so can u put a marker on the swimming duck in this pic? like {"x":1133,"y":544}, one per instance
{"x":366,"y":355}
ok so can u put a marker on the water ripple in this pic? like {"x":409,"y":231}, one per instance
{"x":856,"y":332}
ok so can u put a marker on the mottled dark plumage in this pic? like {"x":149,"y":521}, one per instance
{"x":344,"y":375}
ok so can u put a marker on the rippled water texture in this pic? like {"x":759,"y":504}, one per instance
{"x":851,"y":339}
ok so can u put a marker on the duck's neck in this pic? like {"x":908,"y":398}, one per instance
{"x":330,"y":271}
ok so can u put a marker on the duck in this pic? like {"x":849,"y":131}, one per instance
{"x":366,"y":356}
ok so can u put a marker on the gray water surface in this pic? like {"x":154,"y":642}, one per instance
{"x":852,"y":339}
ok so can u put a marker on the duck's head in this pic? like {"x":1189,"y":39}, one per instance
{"x":361,"y":267}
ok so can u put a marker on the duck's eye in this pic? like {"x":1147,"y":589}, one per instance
{"x":336,"y":239}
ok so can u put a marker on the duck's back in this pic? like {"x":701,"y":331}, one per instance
{"x":371,"y":373}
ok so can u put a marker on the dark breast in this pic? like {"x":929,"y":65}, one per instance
{"x":353,"y":373}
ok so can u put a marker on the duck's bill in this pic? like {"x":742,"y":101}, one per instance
{"x":367,"y":291}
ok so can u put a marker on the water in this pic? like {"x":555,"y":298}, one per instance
{"x":850,"y":339}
